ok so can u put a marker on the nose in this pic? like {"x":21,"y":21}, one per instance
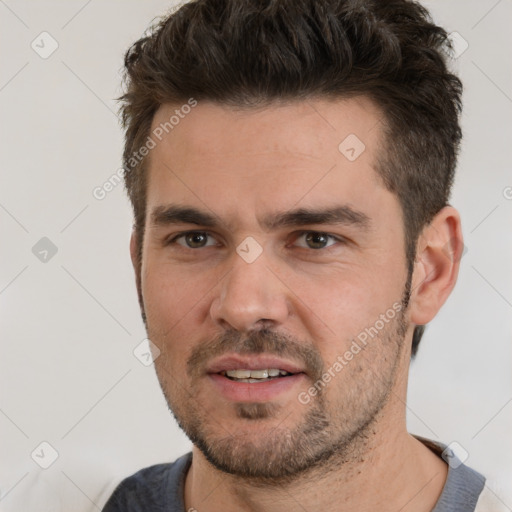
{"x":250,"y":296}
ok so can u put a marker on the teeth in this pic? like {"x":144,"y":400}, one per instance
{"x":259,"y":374}
{"x":239,"y":374}
{"x":255,"y":374}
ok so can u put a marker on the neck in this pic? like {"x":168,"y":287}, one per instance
{"x":396,"y":472}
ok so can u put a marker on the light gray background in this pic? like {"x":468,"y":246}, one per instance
{"x":69,"y":326}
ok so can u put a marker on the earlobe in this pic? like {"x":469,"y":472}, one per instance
{"x":439,"y":250}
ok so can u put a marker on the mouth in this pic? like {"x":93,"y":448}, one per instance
{"x":253,"y":367}
{"x":254,"y":378}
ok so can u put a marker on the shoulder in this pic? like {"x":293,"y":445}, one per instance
{"x":463,"y":486}
{"x":157,"y":487}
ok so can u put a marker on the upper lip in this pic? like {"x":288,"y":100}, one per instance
{"x":251,"y":362}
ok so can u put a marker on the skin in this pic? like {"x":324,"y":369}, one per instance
{"x":243,"y":166}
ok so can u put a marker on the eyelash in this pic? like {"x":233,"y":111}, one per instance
{"x":338,"y":239}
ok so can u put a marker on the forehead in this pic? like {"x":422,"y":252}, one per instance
{"x":311,"y":128}
{"x":287,"y":153}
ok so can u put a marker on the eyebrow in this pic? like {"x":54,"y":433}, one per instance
{"x":339,"y":215}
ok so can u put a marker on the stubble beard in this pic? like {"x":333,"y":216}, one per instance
{"x":333,"y":431}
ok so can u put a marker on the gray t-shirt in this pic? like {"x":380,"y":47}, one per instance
{"x":159,"y":488}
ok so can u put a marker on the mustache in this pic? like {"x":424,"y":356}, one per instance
{"x":263,"y":341}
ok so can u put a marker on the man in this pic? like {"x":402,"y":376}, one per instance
{"x":289,"y":163}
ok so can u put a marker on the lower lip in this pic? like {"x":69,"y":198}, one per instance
{"x":257,"y":391}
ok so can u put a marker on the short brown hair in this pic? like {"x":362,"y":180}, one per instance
{"x":250,"y":53}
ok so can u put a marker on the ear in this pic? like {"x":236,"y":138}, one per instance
{"x":438,"y":252}
{"x":134,"y":251}
{"x":137,"y":266}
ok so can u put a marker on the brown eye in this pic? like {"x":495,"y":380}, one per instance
{"x":194,"y":240}
{"x":316,"y":240}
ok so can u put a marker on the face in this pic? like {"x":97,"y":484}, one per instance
{"x":269,"y":250}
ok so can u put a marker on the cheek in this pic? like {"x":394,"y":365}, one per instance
{"x":172,"y":297}
{"x":347,"y":308}
{"x":345,"y":301}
